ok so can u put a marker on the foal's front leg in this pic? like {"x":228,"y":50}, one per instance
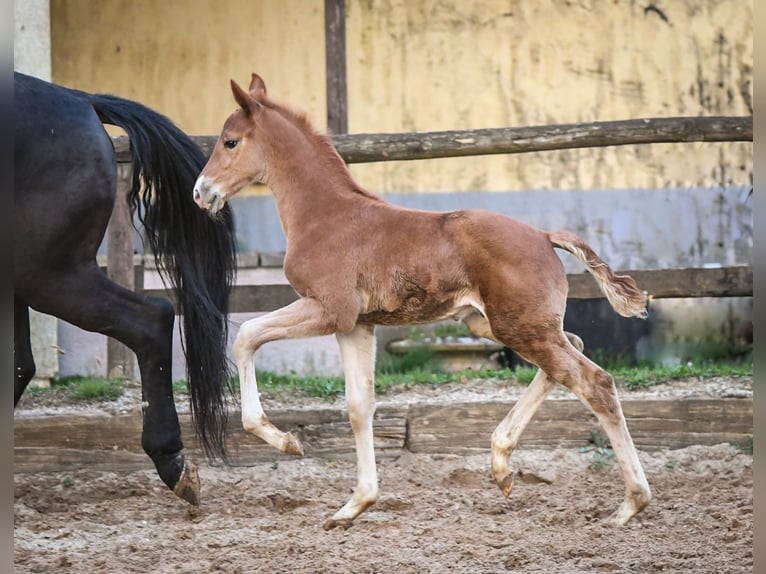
{"x":303,"y":318}
{"x":357,"y":349}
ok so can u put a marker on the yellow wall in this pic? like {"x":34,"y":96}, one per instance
{"x":177,"y":56}
{"x":453,"y":64}
{"x":438,"y":65}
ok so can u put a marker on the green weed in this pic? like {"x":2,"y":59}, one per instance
{"x":603,"y":455}
{"x":90,"y":388}
{"x":647,"y":375}
{"x":745,"y":446}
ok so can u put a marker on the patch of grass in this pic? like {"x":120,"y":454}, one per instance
{"x":90,"y":388}
{"x":413,"y":372}
{"x":525,"y":374}
{"x":416,"y":367}
{"x":646,"y":375}
{"x":745,"y":446}
{"x":180,"y":387}
{"x":455,"y":329}
{"x":416,"y":359}
{"x":603,"y":455}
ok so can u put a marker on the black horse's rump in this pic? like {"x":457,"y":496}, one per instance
{"x":64,"y":187}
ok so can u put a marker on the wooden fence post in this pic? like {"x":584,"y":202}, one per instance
{"x":335,"y":52}
{"x":119,"y":264}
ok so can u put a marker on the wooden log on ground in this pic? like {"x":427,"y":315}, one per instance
{"x":365,"y":148}
{"x":654,"y":424}
{"x":113,"y":442}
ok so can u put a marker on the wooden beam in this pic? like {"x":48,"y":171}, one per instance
{"x":119,"y":268}
{"x":364,"y":148}
{"x":54,"y":443}
{"x":335,"y":63}
{"x":658,"y":283}
{"x":736,"y":281}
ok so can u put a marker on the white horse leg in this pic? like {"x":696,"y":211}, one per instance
{"x":358,"y":352}
{"x":303,"y":318}
{"x":600,"y":395}
{"x":596,"y":389}
{"x":507,"y":434}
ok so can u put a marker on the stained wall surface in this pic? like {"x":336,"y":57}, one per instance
{"x":417,"y":65}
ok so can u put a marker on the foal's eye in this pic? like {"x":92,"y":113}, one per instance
{"x":230,"y":144}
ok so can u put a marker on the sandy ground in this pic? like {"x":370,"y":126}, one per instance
{"x":436,"y":514}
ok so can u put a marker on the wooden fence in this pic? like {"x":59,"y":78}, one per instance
{"x":359,"y":148}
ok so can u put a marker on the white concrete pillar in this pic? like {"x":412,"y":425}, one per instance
{"x":32,"y":55}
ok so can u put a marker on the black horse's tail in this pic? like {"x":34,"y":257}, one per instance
{"x":194,"y":252}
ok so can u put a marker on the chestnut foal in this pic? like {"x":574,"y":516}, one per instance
{"x":357,"y":261}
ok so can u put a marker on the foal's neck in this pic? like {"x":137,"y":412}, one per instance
{"x":309,"y":180}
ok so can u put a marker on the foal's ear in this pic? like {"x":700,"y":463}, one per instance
{"x":245,"y":100}
{"x":257,"y":87}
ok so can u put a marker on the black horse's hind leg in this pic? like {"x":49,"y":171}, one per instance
{"x":24,"y":362}
{"x":86,"y":298}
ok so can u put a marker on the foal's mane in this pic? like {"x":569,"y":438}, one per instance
{"x":321,"y":142}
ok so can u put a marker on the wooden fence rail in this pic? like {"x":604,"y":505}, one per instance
{"x":363,"y":148}
{"x":735,"y":281}
{"x":102,"y":441}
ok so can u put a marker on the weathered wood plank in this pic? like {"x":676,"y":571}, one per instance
{"x":335,"y":65}
{"x":734,"y":281}
{"x":112,"y":442}
{"x":653,"y":424}
{"x":121,"y":244}
{"x":246,"y":298}
{"x":57,"y":459}
{"x":363,"y":148}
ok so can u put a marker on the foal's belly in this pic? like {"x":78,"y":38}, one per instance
{"x":415,"y":310}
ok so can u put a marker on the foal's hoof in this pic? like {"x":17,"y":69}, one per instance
{"x":506,"y":484}
{"x":344,"y":523}
{"x":292,"y":445}
{"x":187,"y":486}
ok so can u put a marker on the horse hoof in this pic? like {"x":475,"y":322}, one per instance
{"x":506,"y":485}
{"x":292,"y":445}
{"x":344,"y":523}
{"x":187,"y":487}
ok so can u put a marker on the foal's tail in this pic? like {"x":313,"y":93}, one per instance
{"x":621,"y":290}
{"x":194,"y":252}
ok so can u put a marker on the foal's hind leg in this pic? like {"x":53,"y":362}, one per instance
{"x":506,"y":435}
{"x":86,"y":298}
{"x":595,"y":388}
{"x":358,"y":352}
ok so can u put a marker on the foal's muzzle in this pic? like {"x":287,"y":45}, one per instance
{"x":206,"y":196}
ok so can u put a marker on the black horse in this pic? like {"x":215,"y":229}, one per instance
{"x":64,"y":186}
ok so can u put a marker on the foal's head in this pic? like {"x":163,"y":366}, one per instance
{"x":239,"y":157}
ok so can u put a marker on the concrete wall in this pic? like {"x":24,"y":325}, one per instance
{"x":31,"y":38}
{"x":32,"y":55}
